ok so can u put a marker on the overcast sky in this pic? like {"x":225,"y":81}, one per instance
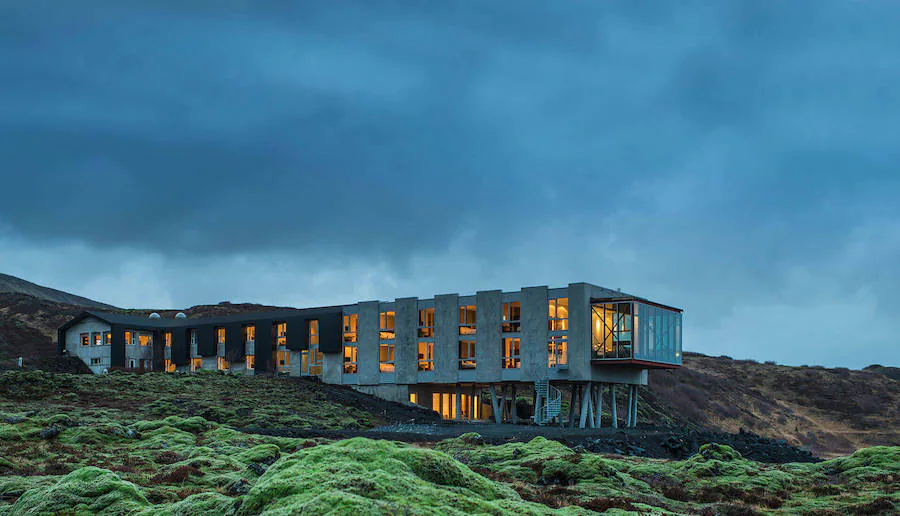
{"x":740,"y":160}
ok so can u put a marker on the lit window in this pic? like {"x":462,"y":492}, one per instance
{"x":426,"y":322}
{"x":510,"y":358}
{"x":107,"y":338}
{"x":413,"y":398}
{"x":249,"y":334}
{"x":129,"y":338}
{"x":556,"y":351}
{"x":196,"y":363}
{"x":167,"y":337}
{"x":386,"y":325}
{"x":194,"y":351}
{"x":168,"y":366}
{"x":220,"y":335}
{"x":467,"y":354}
{"x":145,"y":340}
{"x":85,"y":339}
{"x":351,"y":327}
{"x":283,"y":358}
{"x":559,"y":314}
{"x":280,"y":335}
{"x":386,"y":357}
{"x":97,"y":338}
{"x":467,"y":320}
{"x":426,"y":356}
{"x":250,"y":362}
{"x":312,"y":357}
{"x":222,"y":364}
{"x":512,"y":316}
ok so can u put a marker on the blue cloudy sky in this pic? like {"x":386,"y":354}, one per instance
{"x":738,"y":159}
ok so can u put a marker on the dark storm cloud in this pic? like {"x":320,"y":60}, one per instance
{"x":730,"y":155}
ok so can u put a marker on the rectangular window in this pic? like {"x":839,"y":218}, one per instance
{"x":107,"y":338}
{"x":351,"y":329}
{"x":467,"y":354}
{"x":510,"y":358}
{"x":222,"y":364}
{"x":426,"y":322}
{"x":196,"y":363}
{"x":426,"y":356}
{"x":314,"y":357}
{"x":559,"y":314}
{"x":414,"y":398}
{"x":512,"y":316}
{"x":386,"y":325}
{"x":557,"y":355}
{"x":250,"y":362}
{"x":167,"y":338}
{"x":467,"y":320}
{"x":220,"y":335}
{"x":611,"y":325}
{"x":168,"y":366}
{"x":97,"y":338}
{"x":350,"y":366}
{"x":145,"y":340}
{"x":283,"y":359}
{"x":386,"y":357}
{"x":249,"y":334}
{"x":85,"y":339}
{"x":95,"y":361}
{"x":129,"y":338}
{"x":280,"y":335}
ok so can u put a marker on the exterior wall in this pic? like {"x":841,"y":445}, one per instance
{"x":446,"y":338}
{"x":534,"y":334}
{"x":390,"y":392}
{"x":579,"y":334}
{"x":405,"y":345}
{"x":367,"y":337}
{"x":487,"y":332}
{"x":86,"y":353}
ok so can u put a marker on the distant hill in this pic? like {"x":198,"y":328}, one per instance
{"x":13,"y":285}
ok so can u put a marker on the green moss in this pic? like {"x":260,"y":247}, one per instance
{"x":883,"y":458}
{"x":511,"y":460}
{"x":376,"y":477}
{"x":85,"y":490}
{"x":193,"y":425}
{"x":204,"y":503}
{"x":263,"y":454}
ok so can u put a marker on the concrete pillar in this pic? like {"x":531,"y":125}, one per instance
{"x":634,"y":419}
{"x":458,"y":401}
{"x":367,"y":337}
{"x":488,"y":313}
{"x":406,"y":323}
{"x":598,"y":396}
{"x":446,"y":338}
{"x":579,"y":336}
{"x":495,"y":404}
{"x":612,"y":405}
{"x":534,"y":334}
{"x":630,"y":406}
{"x":585,"y":404}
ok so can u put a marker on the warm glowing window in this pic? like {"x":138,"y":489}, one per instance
{"x":85,"y":339}
{"x":250,"y":362}
{"x":426,"y":356}
{"x":129,"y":338}
{"x":196,"y":363}
{"x":220,"y":335}
{"x":510,"y":358}
{"x":351,"y":327}
{"x":467,"y":320}
{"x":168,"y":366}
{"x":107,"y":338}
{"x":557,"y":355}
{"x":512,"y":316}
{"x":413,"y":398}
{"x":467,"y":354}
{"x":280,"y":335}
{"x":283,"y":358}
{"x":222,"y":364}
{"x":314,"y":333}
{"x":249,"y":334}
{"x":386,"y":357}
{"x":350,"y":352}
{"x":145,"y":340}
{"x":97,"y":338}
{"x":167,"y":338}
{"x":386,"y":325}
{"x":312,"y":357}
{"x":426,"y":322}
{"x":559,"y":314}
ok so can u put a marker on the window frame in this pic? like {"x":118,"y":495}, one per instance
{"x":426,"y":330}
{"x":85,"y":339}
{"x":467,"y":354}
{"x":425,"y":364}
{"x":513,"y":360}
{"x":387,"y":325}
{"x":554,"y":322}
{"x":389,"y":365}
{"x":465,"y":327}
{"x":350,"y":337}
{"x":507,"y":323}
{"x":553,"y":346}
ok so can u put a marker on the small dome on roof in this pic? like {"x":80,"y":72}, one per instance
{"x":155,"y":315}
{"x":180,"y":315}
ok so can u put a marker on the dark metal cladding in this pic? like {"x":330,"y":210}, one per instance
{"x":206,"y":340}
{"x":234,"y":342}
{"x":180,"y":346}
{"x":264,"y":334}
{"x":159,"y":349}
{"x":297,"y":333}
{"x":117,"y":349}
{"x":331,"y":332}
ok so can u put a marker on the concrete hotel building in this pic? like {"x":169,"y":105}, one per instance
{"x":444,"y":353}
